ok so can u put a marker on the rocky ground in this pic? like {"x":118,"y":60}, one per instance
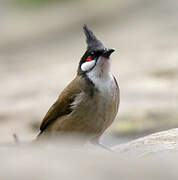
{"x":152,"y":157}
{"x":40,"y":49}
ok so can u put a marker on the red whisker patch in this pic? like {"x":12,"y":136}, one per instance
{"x":89,"y":58}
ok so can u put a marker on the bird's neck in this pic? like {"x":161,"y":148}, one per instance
{"x":101,"y":70}
{"x":101,"y":74}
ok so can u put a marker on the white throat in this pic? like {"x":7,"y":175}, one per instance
{"x":101,"y":69}
{"x":100,"y":75}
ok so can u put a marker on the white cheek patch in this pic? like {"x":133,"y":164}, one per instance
{"x":88,"y":65}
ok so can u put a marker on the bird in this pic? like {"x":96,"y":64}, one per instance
{"x":90,"y":102}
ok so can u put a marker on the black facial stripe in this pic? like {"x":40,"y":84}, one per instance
{"x":94,"y":54}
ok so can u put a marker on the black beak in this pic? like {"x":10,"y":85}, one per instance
{"x":108,"y":52}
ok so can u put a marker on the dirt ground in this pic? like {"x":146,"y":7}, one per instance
{"x":40,"y":49}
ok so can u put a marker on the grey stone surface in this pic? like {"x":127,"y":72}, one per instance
{"x":152,"y":157}
{"x":165,"y":141}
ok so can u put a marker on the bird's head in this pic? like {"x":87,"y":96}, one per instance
{"x":96,"y":59}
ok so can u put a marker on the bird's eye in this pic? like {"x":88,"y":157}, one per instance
{"x":89,"y":58}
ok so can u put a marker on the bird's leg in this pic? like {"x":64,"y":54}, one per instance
{"x":95,"y":141}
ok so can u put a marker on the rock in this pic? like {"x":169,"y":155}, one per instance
{"x":44,"y":161}
{"x":154,"y":143}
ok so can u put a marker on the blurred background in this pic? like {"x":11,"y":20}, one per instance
{"x":41,"y":42}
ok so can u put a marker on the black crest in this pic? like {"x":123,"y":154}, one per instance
{"x":93,"y":44}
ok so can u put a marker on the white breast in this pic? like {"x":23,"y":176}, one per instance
{"x":99,"y":111}
{"x":106,"y":101}
{"x":105,"y":84}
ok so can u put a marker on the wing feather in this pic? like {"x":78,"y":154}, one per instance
{"x":63,"y":104}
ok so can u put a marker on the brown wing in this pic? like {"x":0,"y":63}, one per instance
{"x":62,"y":105}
